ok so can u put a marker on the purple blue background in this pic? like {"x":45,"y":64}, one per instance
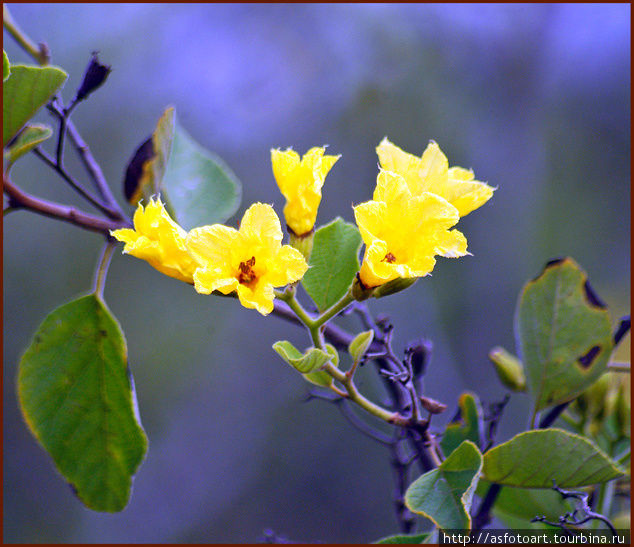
{"x":534,"y":97}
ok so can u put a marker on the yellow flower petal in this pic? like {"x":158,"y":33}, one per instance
{"x":467,"y":196}
{"x":207,"y":280}
{"x":391,"y":187}
{"x":260,"y":222}
{"x":157,"y":239}
{"x":433,"y":167}
{"x":451,"y":244}
{"x":211,"y":244}
{"x":259,"y":298}
{"x":370,"y":218}
{"x":375,"y":270}
{"x":431,"y":173}
{"x":284,"y":164}
{"x":290,"y":266}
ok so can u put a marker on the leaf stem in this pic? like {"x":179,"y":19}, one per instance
{"x":334,"y":309}
{"x":102,"y":269}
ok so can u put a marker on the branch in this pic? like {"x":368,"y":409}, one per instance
{"x":59,"y":169}
{"x":91,"y":165}
{"x":20,"y":199}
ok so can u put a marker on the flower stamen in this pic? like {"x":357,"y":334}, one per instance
{"x":247,"y":275}
{"x":389,"y":258}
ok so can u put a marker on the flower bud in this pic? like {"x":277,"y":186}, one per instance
{"x":509,"y":369}
{"x":396,"y":285}
{"x":94,"y":77}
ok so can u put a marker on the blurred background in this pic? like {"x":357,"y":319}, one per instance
{"x":534,"y":97}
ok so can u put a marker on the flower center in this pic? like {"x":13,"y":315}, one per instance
{"x":247,"y":275}
{"x":389,"y":258}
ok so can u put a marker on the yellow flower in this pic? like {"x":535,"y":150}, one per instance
{"x":431,"y":173}
{"x":300,"y":182}
{"x":403,"y":232}
{"x":250,"y":260}
{"x":157,"y":239}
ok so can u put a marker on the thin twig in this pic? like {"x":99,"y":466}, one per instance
{"x":74,"y":184}
{"x":89,"y":162}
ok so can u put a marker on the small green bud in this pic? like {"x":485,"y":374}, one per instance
{"x":509,"y":369}
{"x":396,"y":285}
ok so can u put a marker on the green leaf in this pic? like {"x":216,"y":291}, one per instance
{"x":310,"y":361}
{"x":30,"y":137}
{"x":6,"y":66}
{"x":444,"y":494}
{"x":333,"y":263}
{"x":27,"y":90}
{"x":200,"y":187}
{"x":517,"y":506}
{"x":77,"y":397}
{"x":537,"y":458}
{"x":409,"y":538}
{"x":320,"y":378}
{"x":468,"y":427}
{"x":564,"y":334}
{"x":360,"y":344}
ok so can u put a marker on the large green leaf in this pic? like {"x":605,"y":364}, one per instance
{"x":543,"y":457}
{"x":564,"y":334}
{"x":27,"y":89}
{"x":77,"y":397}
{"x":469,"y":426}
{"x":30,"y":137}
{"x":444,"y":494}
{"x":199,"y":186}
{"x":333,"y":263}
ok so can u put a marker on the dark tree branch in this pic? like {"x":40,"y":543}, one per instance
{"x":18,"y":199}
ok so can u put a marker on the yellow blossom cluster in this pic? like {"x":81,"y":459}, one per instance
{"x":408,"y":221}
{"x":405,"y":226}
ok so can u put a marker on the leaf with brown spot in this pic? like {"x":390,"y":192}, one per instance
{"x":563,"y":332}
